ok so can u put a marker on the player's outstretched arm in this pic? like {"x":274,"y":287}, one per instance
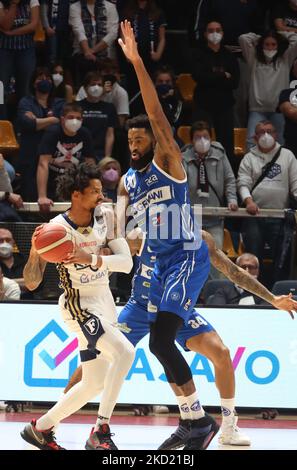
{"x":35,"y":266}
{"x":243,"y":279}
{"x":167,"y":154}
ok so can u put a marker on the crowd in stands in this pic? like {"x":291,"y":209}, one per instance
{"x":68,"y":92}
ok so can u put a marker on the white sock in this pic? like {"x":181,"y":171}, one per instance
{"x":183,"y":407}
{"x":196,"y":410}
{"x":101,"y":420}
{"x":228,"y":409}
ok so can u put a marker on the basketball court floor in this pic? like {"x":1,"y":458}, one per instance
{"x":146,"y":432}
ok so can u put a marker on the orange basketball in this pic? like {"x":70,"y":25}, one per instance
{"x":54,"y":242}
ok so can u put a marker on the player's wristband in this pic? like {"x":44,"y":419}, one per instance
{"x":94,"y":261}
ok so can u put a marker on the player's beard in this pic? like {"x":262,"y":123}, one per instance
{"x":143,"y":161}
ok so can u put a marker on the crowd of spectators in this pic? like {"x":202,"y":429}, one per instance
{"x":70,"y":96}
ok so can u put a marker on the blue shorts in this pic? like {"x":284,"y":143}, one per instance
{"x":135,"y":317}
{"x":177,"y":281}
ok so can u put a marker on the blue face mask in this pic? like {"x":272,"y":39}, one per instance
{"x":163,"y":89}
{"x":44,"y":86}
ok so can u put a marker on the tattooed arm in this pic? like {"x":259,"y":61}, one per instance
{"x":243,"y":279}
{"x":167,"y":155}
{"x":35,"y":266}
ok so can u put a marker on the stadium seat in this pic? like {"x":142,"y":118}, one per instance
{"x":39,"y":35}
{"x":284,"y":287}
{"x":240,"y":134}
{"x":212,"y":286}
{"x":228,"y":246}
{"x":186,"y":86}
{"x":183,"y":132}
{"x":8,"y":142}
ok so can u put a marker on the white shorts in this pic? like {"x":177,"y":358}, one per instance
{"x":103,"y":307}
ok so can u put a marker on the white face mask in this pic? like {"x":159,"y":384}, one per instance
{"x":215,"y":38}
{"x":73,"y":125}
{"x":266,"y":141}
{"x":202,"y":145}
{"x":57,"y":79}
{"x":95,"y":91}
{"x":5,"y":250}
{"x":269,"y":54}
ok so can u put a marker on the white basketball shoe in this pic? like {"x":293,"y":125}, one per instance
{"x":231,"y":434}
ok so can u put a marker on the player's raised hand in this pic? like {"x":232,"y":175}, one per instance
{"x":285,"y":302}
{"x":127,"y":42}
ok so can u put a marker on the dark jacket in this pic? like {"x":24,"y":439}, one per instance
{"x":214,"y":90}
{"x":232,"y":294}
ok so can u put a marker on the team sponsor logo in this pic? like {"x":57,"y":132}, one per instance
{"x":226,"y":411}
{"x":146,"y":271}
{"x":175,"y":296}
{"x":146,"y":284}
{"x":196,"y":406}
{"x":123,"y":327}
{"x":154,"y":196}
{"x":151,"y":180}
{"x":92,"y":326}
{"x":184,"y":407}
{"x":187,"y":304}
{"x":87,"y":278}
{"x":151,"y":308}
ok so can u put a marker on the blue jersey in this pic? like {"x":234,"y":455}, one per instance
{"x":143,"y":269}
{"x":160,"y":205}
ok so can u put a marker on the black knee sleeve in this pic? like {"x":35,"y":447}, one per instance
{"x":162,"y":345}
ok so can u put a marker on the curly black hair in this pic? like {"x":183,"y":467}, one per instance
{"x":76,"y":179}
{"x":139,"y":122}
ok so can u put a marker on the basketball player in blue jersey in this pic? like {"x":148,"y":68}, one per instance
{"x":156,"y":186}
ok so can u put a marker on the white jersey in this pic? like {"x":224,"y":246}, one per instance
{"x":82,"y":280}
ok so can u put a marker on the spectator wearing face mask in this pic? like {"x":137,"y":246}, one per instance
{"x":216,"y":72}
{"x":113,"y":92}
{"x":210,"y":177}
{"x":63,"y":145}
{"x":36,"y":112}
{"x":110,"y":171}
{"x":99,"y":117}
{"x":278,"y":165}
{"x":11,"y":263}
{"x":269,"y":58}
{"x":61,"y":89}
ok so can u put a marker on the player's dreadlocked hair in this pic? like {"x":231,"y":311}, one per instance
{"x":76,"y":179}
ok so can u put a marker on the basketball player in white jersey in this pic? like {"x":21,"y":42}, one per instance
{"x":87,"y":308}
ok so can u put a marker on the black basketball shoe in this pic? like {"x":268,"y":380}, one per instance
{"x":44,"y":440}
{"x":203,"y":431}
{"x":101,"y":439}
{"x":179,"y":437}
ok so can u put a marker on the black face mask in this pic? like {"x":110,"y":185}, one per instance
{"x":44,"y":86}
{"x":143,"y":161}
